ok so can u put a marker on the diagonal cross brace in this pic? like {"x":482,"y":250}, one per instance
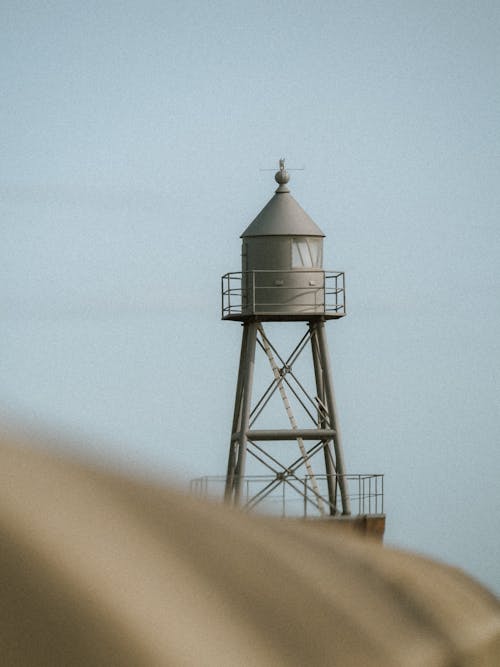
{"x":279,"y":381}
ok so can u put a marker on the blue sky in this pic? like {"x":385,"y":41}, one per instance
{"x":132,"y":138}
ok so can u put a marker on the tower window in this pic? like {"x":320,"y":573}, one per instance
{"x":306,"y":253}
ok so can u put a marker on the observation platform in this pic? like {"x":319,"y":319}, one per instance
{"x":283,"y":295}
{"x":290,"y":495}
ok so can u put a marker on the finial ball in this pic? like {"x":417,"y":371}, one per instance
{"x":282,"y":176}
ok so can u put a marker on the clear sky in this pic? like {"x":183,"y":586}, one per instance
{"x":132,"y":139}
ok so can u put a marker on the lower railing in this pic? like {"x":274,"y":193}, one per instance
{"x":366,"y":493}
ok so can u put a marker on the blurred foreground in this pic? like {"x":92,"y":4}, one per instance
{"x":100,"y":569}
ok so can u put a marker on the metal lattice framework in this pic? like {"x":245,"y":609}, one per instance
{"x":325,"y":492}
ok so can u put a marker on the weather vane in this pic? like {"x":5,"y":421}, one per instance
{"x":282,"y":167}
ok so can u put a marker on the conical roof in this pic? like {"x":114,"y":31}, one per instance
{"x":282,"y":215}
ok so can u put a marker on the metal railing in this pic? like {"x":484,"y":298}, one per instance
{"x":366,"y":493}
{"x":242,"y":292}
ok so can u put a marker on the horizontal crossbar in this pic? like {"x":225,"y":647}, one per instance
{"x":288,"y":434}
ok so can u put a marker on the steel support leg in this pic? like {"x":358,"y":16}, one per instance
{"x":332,"y":411}
{"x":242,"y":408}
{"x":322,"y":424}
{"x":233,"y":444}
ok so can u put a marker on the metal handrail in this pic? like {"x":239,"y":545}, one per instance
{"x":332,"y":286}
{"x":366,"y":492}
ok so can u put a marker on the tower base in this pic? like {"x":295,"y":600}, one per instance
{"x":365,"y":525}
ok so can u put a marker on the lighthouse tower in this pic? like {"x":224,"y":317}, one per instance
{"x":282,"y":280}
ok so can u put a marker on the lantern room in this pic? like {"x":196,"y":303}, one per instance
{"x":282,"y":274}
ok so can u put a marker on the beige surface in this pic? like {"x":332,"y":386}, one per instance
{"x":97,"y":569}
